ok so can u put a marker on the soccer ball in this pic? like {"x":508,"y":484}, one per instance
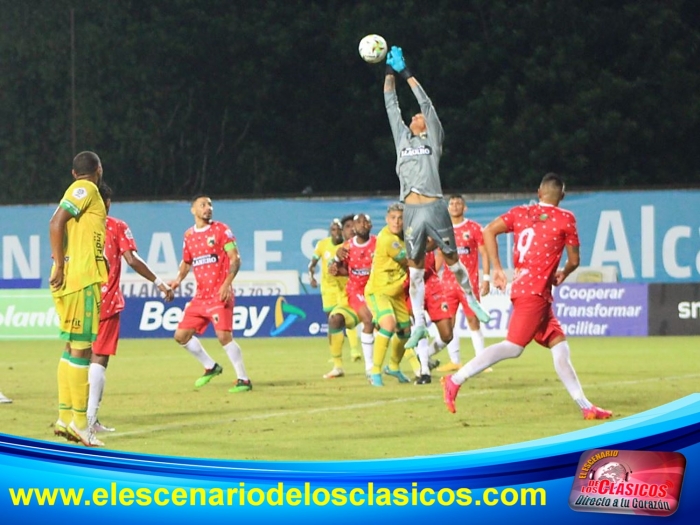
{"x":373,"y":48}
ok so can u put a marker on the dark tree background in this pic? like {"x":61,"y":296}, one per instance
{"x":242,"y":98}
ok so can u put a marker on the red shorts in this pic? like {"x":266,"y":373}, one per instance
{"x":107,"y":336}
{"x":533,"y":319}
{"x":437,"y":304}
{"x":456,"y":296}
{"x":356,"y":299}
{"x":200,"y":312}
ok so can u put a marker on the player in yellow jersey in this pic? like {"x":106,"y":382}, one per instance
{"x":324,"y":251}
{"x":77,"y":236}
{"x":333,"y":286}
{"x":386,"y":297}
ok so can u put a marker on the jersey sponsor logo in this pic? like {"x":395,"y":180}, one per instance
{"x":210,"y":258}
{"x":412,"y":152}
{"x":128,"y":234}
{"x":464,"y":250}
{"x":79,"y":193}
{"x":229,"y":234}
{"x":361,"y":272}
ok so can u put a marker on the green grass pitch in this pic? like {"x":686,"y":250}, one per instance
{"x":294,"y":414}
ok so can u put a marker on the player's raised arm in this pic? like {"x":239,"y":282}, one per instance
{"x":391,"y":101}
{"x":396,"y":60}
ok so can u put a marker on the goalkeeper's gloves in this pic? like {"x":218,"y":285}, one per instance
{"x":395,"y":60}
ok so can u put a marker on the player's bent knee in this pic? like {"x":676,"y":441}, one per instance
{"x":336,"y":321}
{"x":182,"y":338}
{"x":224,"y":338}
{"x":513,"y":349}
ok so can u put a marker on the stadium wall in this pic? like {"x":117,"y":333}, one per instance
{"x":647,"y":236}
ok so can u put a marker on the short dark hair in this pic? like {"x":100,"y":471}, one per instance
{"x":455,"y":196}
{"x":198,"y":196}
{"x":105,"y":191}
{"x":553,"y":180}
{"x":347,"y":218}
{"x":86,"y":163}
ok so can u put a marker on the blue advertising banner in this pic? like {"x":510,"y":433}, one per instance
{"x":602,"y":309}
{"x":262,"y":316}
{"x":531,"y":482}
{"x":637,"y":232}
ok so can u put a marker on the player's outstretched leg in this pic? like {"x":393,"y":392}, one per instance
{"x":462,"y":277}
{"x":561,"y":356}
{"x":417,"y":292}
{"x":449,"y":392}
{"x":481,"y":314}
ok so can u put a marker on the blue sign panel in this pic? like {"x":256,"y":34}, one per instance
{"x":602,"y":309}
{"x":651,"y":236}
{"x":262,"y":316}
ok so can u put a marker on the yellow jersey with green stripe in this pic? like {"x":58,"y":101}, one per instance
{"x":325,"y":251}
{"x":388,"y":265}
{"x":85,"y":238}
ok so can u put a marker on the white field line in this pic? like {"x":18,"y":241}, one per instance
{"x":359,"y":406}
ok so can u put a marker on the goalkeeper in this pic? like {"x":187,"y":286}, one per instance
{"x":418,"y":151}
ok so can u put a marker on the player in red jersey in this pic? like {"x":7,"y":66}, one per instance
{"x":440,"y":310}
{"x":210,"y":248}
{"x":353,"y":258}
{"x":470,"y":245}
{"x":119,"y":242}
{"x":542,"y":232}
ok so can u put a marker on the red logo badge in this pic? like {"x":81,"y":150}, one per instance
{"x":628,"y":482}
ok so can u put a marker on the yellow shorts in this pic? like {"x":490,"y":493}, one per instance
{"x":382,"y":305}
{"x":79,"y":315}
{"x":333,"y":295}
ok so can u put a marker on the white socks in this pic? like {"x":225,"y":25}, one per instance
{"x":437,"y":345}
{"x":423,"y":353}
{"x":236,"y":357}
{"x":417,"y":293}
{"x":490,"y":356}
{"x":194,"y":347}
{"x":565,"y":370}
{"x":477,"y":340}
{"x":462,"y":276}
{"x":96,"y":379}
{"x":367,"y":341}
{"x":453,"y":350}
